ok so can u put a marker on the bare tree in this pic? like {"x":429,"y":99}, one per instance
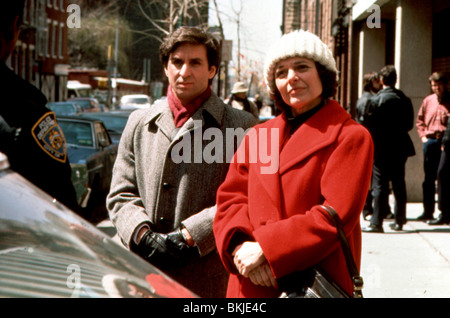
{"x":165,"y":16}
{"x":219,"y":20}
{"x":88,"y":45}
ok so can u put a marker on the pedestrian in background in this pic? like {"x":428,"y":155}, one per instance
{"x":371,"y":85}
{"x":391,"y":117}
{"x":271,"y":224}
{"x":29,"y":133}
{"x":431,"y":123}
{"x":163,"y":208}
{"x":239,"y":99}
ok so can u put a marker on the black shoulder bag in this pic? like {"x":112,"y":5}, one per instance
{"x":314,"y":282}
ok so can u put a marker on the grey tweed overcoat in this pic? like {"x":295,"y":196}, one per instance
{"x":168,"y":176}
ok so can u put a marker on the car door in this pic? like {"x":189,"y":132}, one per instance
{"x":108,"y":152}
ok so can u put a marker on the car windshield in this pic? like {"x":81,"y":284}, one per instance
{"x":77,"y":133}
{"x":85,"y":104}
{"x":62,"y":109}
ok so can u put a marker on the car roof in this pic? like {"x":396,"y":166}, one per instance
{"x":104,"y":114}
{"x":135,"y":95}
{"x":60,"y":103}
{"x":81,"y":98}
{"x":75,"y":117}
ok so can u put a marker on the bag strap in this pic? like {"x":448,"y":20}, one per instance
{"x":351,"y":265}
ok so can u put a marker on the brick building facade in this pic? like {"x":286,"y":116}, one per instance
{"x":40,"y":55}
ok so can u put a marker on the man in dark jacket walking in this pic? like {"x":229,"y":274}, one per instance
{"x":371,"y":86}
{"x":391,"y":118}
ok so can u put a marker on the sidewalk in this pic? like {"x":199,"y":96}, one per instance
{"x":413,"y":263}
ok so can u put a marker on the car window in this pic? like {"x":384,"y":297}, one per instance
{"x":85,"y":104}
{"x":77,"y":133}
{"x":115,"y":123}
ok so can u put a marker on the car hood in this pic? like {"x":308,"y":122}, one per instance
{"x":46,"y":250}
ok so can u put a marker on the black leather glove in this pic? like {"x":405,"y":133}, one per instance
{"x":164,"y":250}
{"x":176,"y":243}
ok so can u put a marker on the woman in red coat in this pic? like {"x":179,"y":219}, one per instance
{"x":269,"y":220}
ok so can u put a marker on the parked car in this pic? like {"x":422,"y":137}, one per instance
{"x":87,"y":104}
{"x":114,"y":122}
{"x":64,"y":108}
{"x":47,"y":251}
{"x":135,"y":101}
{"x":89,"y":143}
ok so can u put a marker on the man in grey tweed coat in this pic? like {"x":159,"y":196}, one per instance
{"x":172,"y":158}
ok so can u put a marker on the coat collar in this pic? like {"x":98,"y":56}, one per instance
{"x":210,"y":114}
{"x":316,"y":133}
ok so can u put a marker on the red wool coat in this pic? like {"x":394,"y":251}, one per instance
{"x":328,"y":161}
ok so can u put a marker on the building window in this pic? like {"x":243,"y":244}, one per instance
{"x":54,"y":37}
{"x":30,"y":63}
{"x":26,"y":13}
{"x":48,"y":37}
{"x":32,"y":14}
{"x":60,"y":42}
{"x":41,"y":27}
{"x":22,"y":60}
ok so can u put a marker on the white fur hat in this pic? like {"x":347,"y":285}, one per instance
{"x":297,"y":43}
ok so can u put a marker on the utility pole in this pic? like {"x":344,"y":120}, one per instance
{"x":116,"y":63}
{"x":239,"y":47}
{"x":223,"y":66}
{"x":108,"y":96}
{"x":238,"y":26}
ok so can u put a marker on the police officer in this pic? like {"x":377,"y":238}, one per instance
{"x":29,"y":133}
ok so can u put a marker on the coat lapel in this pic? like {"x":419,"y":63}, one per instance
{"x":269,"y":183}
{"x":162,"y":117}
{"x":318,"y":132}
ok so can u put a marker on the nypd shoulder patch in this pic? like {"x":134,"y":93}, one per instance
{"x":50,"y":137}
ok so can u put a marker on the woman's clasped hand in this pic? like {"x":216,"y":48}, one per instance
{"x":251,"y":263}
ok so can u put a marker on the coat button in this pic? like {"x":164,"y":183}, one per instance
{"x":166,"y":186}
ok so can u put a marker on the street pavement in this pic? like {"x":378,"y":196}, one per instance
{"x":413,"y":263}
